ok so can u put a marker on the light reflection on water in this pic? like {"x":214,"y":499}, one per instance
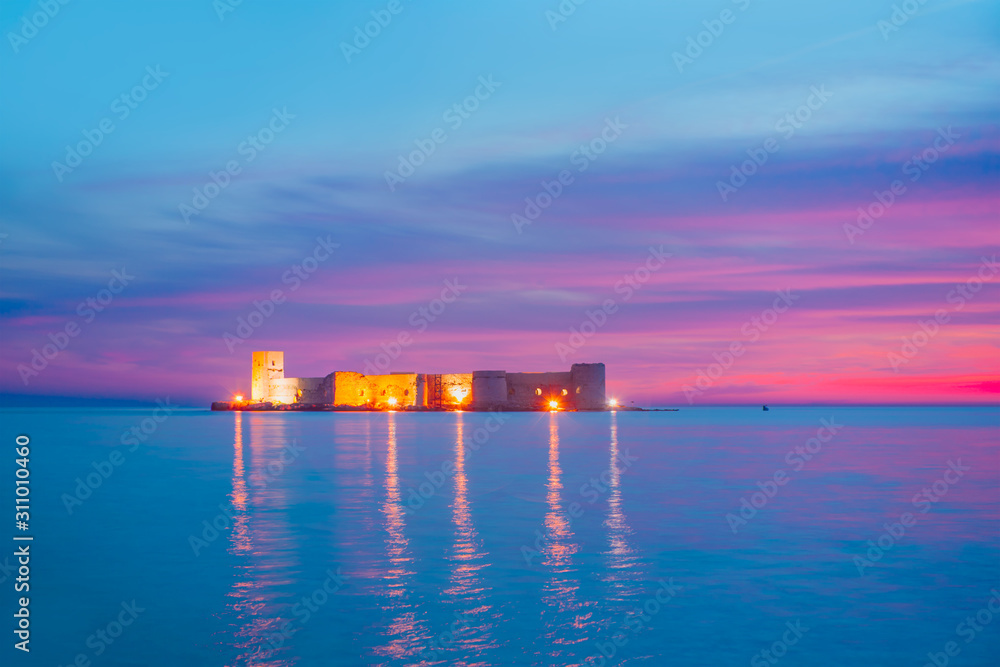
{"x":565,"y":616}
{"x":467,"y":592}
{"x":405,"y":633}
{"x":662,"y":517}
{"x":593,"y":567}
{"x":260,"y":542}
{"x":623,"y":561}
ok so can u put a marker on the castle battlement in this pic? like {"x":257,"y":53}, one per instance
{"x":579,"y":388}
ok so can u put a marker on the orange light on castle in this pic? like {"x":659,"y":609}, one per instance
{"x":582,"y":387}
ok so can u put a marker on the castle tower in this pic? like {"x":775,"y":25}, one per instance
{"x":588,"y":380}
{"x":264,"y":367}
{"x":489,"y":389}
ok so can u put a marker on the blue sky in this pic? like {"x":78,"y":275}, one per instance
{"x":890,"y":91}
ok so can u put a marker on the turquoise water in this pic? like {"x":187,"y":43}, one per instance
{"x":544,"y":539}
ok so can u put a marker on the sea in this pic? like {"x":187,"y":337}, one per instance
{"x":705,"y":536}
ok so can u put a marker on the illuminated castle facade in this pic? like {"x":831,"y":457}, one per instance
{"x":580,"y":388}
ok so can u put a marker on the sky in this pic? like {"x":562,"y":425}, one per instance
{"x":723,"y":201}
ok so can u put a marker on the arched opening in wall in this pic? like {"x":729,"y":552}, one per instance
{"x":578,"y":390}
{"x":564,"y":392}
{"x":361,"y":392}
{"x":383,"y":392}
{"x":538,"y":392}
{"x":406,"y":392}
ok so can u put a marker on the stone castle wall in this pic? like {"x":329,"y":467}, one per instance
{"x":582,"y":388}
{"x":298,"y":390}
{"x":533,"y":391}
{"x":356,"y":390}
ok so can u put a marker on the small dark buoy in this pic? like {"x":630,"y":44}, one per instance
{"x":766,"y":408}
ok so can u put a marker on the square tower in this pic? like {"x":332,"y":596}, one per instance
{"x":264,"y":367}
{"x":588,"y":380}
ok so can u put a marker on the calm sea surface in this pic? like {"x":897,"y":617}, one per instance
{"x":711,"y":536}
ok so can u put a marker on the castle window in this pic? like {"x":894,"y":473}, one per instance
{"x":564,"y":392}
{"x":406,"y":392}
{"x":510,"y":392}
{"x":538,"y":392}
{"x":578,"y":390}
{"x":361,"y":392}
{"x":383,"y":392}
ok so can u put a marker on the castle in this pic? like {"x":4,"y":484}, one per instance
{"x":580,"y":388}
